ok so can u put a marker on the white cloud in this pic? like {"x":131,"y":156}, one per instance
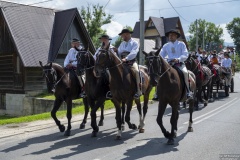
{"x":113,"y":28}
{"x":226,"y":35}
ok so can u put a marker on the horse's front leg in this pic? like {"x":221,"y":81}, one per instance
{"x":123,"y":108}
{"x":173,"y":120}
{"x":118,"y":118}
{"x":69,"y":116}
{"x":100,"y":123}
{"x":86,"y":109}
{"x":139,"y":108}
{"x":127,"y":117}
{"x":57,"y":104}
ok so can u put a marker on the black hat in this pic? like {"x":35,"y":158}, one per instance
{"x":226,"y":54}
{"x":105,"y":36}
{"x":173,"y":31}
{"x":125,"y":31}
{"x":75,"y":40}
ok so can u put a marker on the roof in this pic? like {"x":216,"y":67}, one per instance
{"x":149,"y":45}
{"x":62,"y":23}
{"x":158,"y":23}
{"x":31,"y":38}
{"x":136,"y":30}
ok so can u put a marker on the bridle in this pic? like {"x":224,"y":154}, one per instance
{"x":53,"y":73}
{"x":87,"y":58}
{"x":159,"y":73}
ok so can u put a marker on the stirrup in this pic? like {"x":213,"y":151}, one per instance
{"x":136,"y":96}
{"x":109,"y":95}
{"x":190,"y":95}
{"x":83,"y":95}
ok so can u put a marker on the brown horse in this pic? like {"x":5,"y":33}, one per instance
{"x":95,"y":88}
{"x":203,"y":78}
{"x":170,"y":90}
{"x":123,"y":87}
{"x":66,"y":86}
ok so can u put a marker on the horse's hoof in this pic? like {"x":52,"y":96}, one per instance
{"x":94,"y":134}
{"x":167,"y":134}
{"x":82,"y":126}
{"x":141,"y":130}
{"x":134,"y":127}
{"x":100,"y":123}
{"x":118,"y":138}
{"x":62,"y":128}
{"x":67,"y":133}
{"x":205,"y":104}
{"x":123,"y":127}
{"x":190,"y":129}
{"x":170,"y":142}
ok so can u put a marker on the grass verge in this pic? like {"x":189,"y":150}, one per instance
{"x":43,"y":116}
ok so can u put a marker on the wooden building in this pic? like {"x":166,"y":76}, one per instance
{"x":31,"y":34}
{"x":155,"y":29}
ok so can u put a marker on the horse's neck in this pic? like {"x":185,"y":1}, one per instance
{"x":89,"y":71}
{"x":59,"y":71}
{"x":164,"y":65}
{"x":116,"y":69}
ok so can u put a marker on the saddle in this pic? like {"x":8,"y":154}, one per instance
{"x":180,"y":73}
{"x":130,"y":63}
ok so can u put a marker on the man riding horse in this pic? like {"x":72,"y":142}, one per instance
{"x":177,"y":53}
{"x":70,"y":61}
{"x":128,"y":51}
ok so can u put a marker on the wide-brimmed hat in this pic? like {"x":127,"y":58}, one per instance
{"x":75,"y":40}
{"x":125,"y":31}
{"x":105,"y":36}
{"x":173,"y":31}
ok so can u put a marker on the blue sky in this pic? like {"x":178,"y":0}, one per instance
{"x":126,"y":12}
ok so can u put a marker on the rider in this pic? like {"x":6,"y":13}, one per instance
{"x":105,"y":39}
{"x":71,"y":61}
{"x":213,"y":57}
{"x":203,"y":55}
{"x":177,"y":53}
{"x":226,"y":66}
{"x":130,"y":47}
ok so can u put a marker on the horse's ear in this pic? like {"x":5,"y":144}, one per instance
{"x":50,"y":65}
{"x":40,"y":62}
{"x":145,"y":53}
{"x":108,"y":46}
{"x":157,"y":52}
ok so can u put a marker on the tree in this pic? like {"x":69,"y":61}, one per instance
{"x":119,"y":39}
{"x":234,"y":31}
{"x":94,"y":17}
{"x":212,"y":35}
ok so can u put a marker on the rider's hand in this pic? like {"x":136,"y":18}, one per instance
{"x":69,"y":65}
{"x":176,"y":60}
{"x":124,"y":60}
{"x":115,"y":49}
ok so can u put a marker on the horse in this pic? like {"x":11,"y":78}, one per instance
{"x":66,"y":87}
{"x":95,"y":88}
{"x":123,"y":87}
{"x":215,"y":69}
{"x":203,"y":78}
{"x":171,"y":89}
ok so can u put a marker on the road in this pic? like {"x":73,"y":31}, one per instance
{"x":216,"y":135}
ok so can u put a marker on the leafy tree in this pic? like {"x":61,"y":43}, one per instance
{"x":233,"y":28}
{"x":119,"y":39}
{"x":94,"y":17}
{"x":212,"y":35}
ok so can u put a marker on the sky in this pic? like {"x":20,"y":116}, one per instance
{"x":126,"y":12}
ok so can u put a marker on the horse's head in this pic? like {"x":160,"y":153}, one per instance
{"x":205,"y":61}
{"x":102,"y":61}
{"x":153,"y":63}
{"x":50,"y":74}
{"x":191,"y":64}
{"x":85,"y":60}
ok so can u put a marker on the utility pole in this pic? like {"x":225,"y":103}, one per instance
{"x":196,"y":35}
{"x":141,"y":48}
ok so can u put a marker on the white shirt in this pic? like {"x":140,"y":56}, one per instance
{"x":71,"y":57}
{"x":130,"y":46}
{"x":227,"y":62}
{"x":96,"y":53}
{"x":200,"y":56}
{"x":176,"y":50}
{"x":220,"y":58}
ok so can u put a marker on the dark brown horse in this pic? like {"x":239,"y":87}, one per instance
{"x":123,"y":87}
{"x":66,"y":86}
{"x":203,"y":78}
{"x":215,"y":69}
{"x":170,"y":90}
{"x":95,"y":88}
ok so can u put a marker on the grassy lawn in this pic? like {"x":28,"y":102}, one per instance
{"x":77,"y":110}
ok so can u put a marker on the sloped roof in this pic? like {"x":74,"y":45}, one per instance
{"x":136,"y":30}
{"x":159,"y":24}
{"x":31,"y":37}
{"x":62,"y":23}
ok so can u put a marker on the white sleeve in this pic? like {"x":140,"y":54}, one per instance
{"x":95,"y":55}
{"x":163,"y":52}
{"x":184,"y":55}
{"x":133,"y":52}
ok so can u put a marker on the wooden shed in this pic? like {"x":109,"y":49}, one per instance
{"x":30,"y":34}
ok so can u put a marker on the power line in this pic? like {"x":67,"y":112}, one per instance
{"x":177,"y":11}
{"x":106,"y":4}
{"x":193,"y":5}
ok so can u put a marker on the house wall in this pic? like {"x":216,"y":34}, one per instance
{"x":34,"y":79}
{"x":151,"y":32}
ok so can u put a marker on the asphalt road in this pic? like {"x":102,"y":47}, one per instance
{"x":216,"y":135}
